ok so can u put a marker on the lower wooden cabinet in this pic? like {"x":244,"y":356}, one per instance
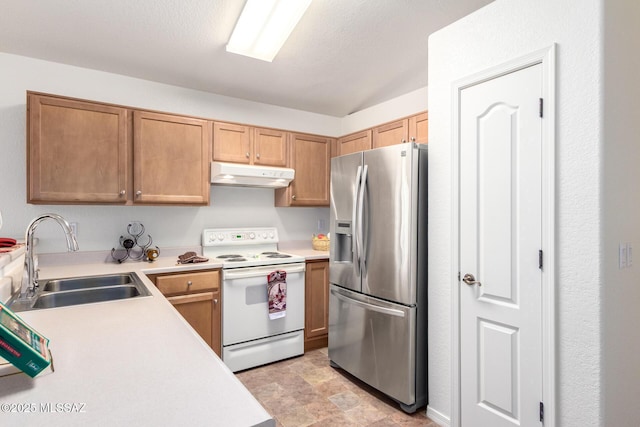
{"x":316,"y":325}
{"x":196,"y":296}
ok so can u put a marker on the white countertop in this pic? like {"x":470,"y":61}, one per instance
{"x":133,"y":362}
{"x":303,"y":248}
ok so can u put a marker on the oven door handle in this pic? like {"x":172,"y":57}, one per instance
{"x":243,"y":273}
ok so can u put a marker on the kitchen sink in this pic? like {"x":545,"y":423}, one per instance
{"x":82,"y":290}
{"x":85,"y":296}
{"x":56,"y":285}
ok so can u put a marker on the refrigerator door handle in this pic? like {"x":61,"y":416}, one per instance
{"x":367,"y":306}
{"x":360,"y":225}
{"x":354,"y":222}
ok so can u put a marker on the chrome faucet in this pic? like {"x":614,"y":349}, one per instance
{"x":30,"y":275}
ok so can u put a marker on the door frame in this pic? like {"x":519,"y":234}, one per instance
{"x":547,"y":58}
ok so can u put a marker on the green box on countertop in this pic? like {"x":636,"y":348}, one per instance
{"x":21,"y":345}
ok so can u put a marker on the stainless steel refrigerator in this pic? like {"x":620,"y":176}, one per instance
{"x":378,"y":270}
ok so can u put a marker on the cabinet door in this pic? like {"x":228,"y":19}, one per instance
{"x":231,"y":143}
{"x":355,"y":142}
{"x":316,"y":326}
{"x":391,"y":133}
{"x":419,"y":127}
{"x":202,"y":312}
{"x":269,"y":147}
{"x":77,"y":151}
{"x":311,"y":159}
{"x":171,"y":159}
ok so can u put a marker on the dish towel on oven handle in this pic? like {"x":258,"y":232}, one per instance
{"x":277,"y":292}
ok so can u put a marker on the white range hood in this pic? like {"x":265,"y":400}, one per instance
{"x":250,"y":175}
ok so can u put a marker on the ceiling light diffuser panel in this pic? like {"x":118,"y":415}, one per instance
{"x":264,"y":26}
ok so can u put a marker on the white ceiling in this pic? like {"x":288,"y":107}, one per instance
{"x":345,"y":55}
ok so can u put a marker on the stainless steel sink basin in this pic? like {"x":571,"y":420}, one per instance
{"x":57,"y":285}
{"x":83,"y":290}
{"x":85,"y":296}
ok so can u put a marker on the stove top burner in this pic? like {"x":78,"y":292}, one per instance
{"x":269,"y":253}
{"x":236,"y":259}
{"x":277,"y":255}
{"x":229,"y":256}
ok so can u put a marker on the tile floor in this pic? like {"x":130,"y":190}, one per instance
{"x":306,"y":391}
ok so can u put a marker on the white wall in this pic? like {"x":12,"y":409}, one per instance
{"x":499,"y":32}
{"x":621,"y":213}
{"x":402,"y":106}
{"x":100,"y":226}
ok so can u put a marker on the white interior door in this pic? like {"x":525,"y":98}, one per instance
{"x":500,"y":244}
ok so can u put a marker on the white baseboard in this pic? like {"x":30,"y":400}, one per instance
{"x":441,"y":419}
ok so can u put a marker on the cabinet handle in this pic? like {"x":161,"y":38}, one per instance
{"x":215,"y":301}
{"x":257,"y":155}
{"x":189,"y":283}
{"x":138,"y":193}
{"x":247,"y":154}
{"x":403,"y":141}
{"x":123,"y":193}
{"x":293,"y":197}
{"x":413,"y":139}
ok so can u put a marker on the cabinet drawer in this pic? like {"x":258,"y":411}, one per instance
{"x":188,"y":282}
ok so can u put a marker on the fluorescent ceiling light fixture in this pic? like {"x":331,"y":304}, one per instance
{"x":264,"y":26}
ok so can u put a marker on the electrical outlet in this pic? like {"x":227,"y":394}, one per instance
{"x":321,"y":225}
{"x":74,"y":228}
{"x":629,"y":255}
{"x":622,"y":255}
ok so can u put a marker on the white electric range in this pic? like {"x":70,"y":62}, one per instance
{"x":249,"y":337}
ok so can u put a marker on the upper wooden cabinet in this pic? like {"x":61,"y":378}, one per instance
{"x":414,"y":128}
{"x":245,"y":144}
{"x":354,"y":142}
{"x":419,"y":128}
{"x":310,"y":156}
{"x":88,"y":152}
{"x":171,"y":159}
{"x":391,"y":133}
{"x":77,"y":152}
{"x":269,"y":147}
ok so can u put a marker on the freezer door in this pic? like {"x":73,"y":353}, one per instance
{"x":390,"y":223}
{"x":343,"y":253}
{"x":374,"y":340}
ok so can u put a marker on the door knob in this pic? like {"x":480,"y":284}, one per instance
{"x":470,"y":280}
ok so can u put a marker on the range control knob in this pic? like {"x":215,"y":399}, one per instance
{"x":252,"y":236}
{"x":271,"y":235}
{"x":264,"y":235}
{"x":221,"y":236}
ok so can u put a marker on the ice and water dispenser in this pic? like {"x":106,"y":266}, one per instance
{"x":343,"y":236}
